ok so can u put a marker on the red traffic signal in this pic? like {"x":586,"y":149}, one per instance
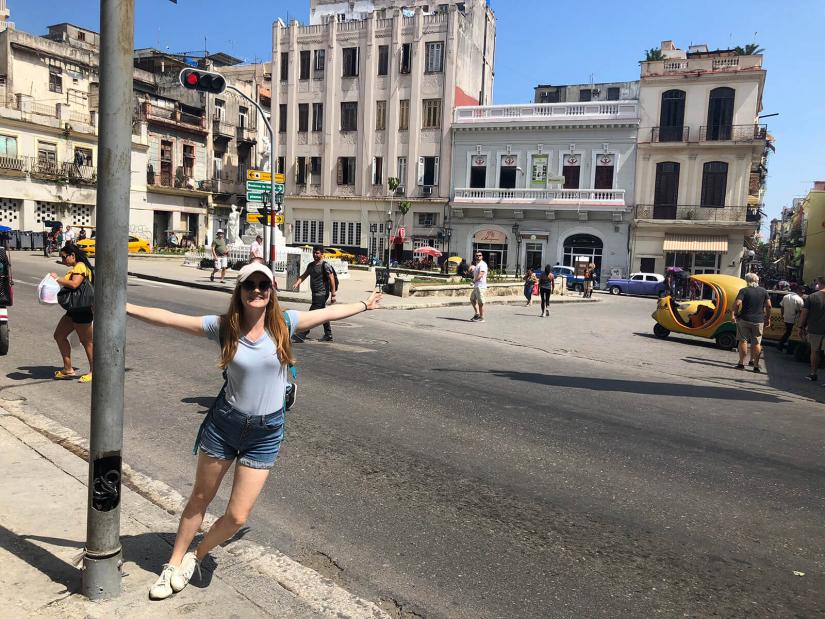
{"x":203,"y":81}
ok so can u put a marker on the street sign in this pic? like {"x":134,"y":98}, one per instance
{"x":252,"y":207}
{"x":257,"y":185}
{"x":254,"y":196}
{"x":256,"y":218}
{"x":260,"y":175}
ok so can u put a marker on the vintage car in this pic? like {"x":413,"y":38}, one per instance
{"x":332,"y":253}
{"x":574,"y":282}
{"x":645,"y":284}
{"x":136,"y":246}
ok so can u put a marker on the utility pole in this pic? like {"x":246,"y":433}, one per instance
{"x":103,"y":554}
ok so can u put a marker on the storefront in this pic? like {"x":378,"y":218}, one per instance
{"x":695,"y":254}
{"x":493,"y":244}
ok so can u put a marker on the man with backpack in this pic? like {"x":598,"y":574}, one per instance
{"x":323,"y":283}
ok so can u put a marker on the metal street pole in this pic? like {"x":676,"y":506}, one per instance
{"x":102,"y":558}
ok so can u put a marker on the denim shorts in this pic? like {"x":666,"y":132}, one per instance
{"x":255,"y":440}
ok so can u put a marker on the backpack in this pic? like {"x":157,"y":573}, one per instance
{"x":331,"y":268}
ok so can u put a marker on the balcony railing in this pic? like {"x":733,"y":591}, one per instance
{"x":247,"y":134}
{"x":607,"y":197}
{"x":13,"y":164}
{"x":174,"y":116}
{"x":222,"y":129}
{"x":549,"y":112}
{"x":670,"y":134}
{"x":701,"y":64}
{"x":44,"y":168}
{"x":723,"y":214}
{"x":733,"y":133}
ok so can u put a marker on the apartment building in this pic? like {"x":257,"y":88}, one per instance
{"x":607,"y":91}
{"x":702,"y":160}
{"x":366,"y":97}
{"x":48,"y":127}
{"x":542,"y":184}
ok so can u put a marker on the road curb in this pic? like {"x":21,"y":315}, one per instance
{"x":318,"y":592}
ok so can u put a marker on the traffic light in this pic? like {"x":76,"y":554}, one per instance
{"x":204,"y":81}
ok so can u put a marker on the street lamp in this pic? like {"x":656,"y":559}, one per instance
{"x":517,"y":236}
{"x":448,"y":233}
{"x":373,"y":241}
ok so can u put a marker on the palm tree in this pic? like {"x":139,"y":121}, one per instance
{"x":751,"y":49}
{"x":653,"y":54}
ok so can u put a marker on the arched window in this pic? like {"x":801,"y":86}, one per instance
{"x":583,"y":246}
{"x":720,"y":113}
{"x":714,"y":183}
{"x":672,"y":116}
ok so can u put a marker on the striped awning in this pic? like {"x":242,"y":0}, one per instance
{"x":696,"y":242}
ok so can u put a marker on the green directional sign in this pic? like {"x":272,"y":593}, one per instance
{"x":257,"y":186}
{"x":255,"y":196}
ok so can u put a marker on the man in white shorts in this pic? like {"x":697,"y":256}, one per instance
{"x":479,"y":288}
{"x":220,"y":255}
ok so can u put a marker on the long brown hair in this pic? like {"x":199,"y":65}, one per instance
{"x":274,"y":323}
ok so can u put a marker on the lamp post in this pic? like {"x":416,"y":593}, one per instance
{"x":448,"y":233}
{"x":373,"y":241}
{"x":517,"y":236}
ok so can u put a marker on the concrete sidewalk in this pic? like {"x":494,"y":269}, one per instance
{"x":43,"y":528}
{"x":356,"y":288}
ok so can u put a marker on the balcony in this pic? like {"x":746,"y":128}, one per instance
{"x":611,"y":198}
{"x":669,"y":134}
{"x":174,"y":118}
{"x":554,"y":113}
{"x":720,"y":64}
{"x":701,"y":214}
{"x":733,"y":133}
{"x":44,"y":168}
{"x":12,"y":166}
{"x":222,"y":130}
{"x":246,"y":134}
{"x":224,"y":184}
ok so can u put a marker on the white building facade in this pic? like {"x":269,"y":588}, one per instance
{"x":701,"y":160}
{"x":544,"y":184}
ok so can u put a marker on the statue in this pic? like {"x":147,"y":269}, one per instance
{"x":233,"y":227}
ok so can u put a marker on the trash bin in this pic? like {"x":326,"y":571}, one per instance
{"x":37,"y":240}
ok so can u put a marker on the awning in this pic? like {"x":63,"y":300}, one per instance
{"x":696,"y":242}
{"x":753,"y":201}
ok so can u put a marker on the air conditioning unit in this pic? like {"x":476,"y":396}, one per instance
{"x":427,"y":190}
{"x":400,"y":190}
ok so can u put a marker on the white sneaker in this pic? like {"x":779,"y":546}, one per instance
{"x":162,"y":588}
{"x":183,"y":574}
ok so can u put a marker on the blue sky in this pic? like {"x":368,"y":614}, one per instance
{"x":540,"y":41}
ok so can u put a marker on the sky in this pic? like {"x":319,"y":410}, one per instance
{"x":548,"y":42}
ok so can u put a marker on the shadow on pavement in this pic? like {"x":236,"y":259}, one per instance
{"x":203,"y":401}
{"x":34,"y":372}
{"x":42,"y":560}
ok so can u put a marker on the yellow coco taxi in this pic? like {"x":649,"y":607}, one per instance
{"x":708,"y":318}
{"x":136,"y":246}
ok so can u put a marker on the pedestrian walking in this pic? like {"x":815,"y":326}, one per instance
{"x":546,"y":282}
{"x":751,"y":313}
{"x":589,"y":274}
{"x":792,"y":305}
{"x":220,"y":254}
{"x":322,"y":286}
{"x":77,"y":320}
{"x":531,"y":283}
{"x":69,"y":236}
{"x":479,"y":272}
{"x":812,"y":324}
{"x":246,"y":422}
{"x":256,"y":250}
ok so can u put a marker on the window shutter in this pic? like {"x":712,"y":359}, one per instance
{"x":340,"y":170}
{"x":374,"y":171}
{"x":435,"y":173}
{"x":420,"y":171}
{"x":357,"y":60}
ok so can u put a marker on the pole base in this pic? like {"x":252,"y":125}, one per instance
{"x":101,"y":578}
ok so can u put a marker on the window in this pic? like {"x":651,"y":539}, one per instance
{"x":720,"y":113}
{"x":647,"y":265}
{"x":282,"y":117}
{"x":301,"y":171}
{"x":550,"y":96}
{"x":406,"y":58}
{"x":377,"y":170}
{"x":320,"y":62}
{"x":714,"y":183}
{"x":314,"y":170}
{"x":383,"y":59}
{"x":243,"y":117}
{"x":672,"y":116}
{"x":317,"y":116}
{"x":571,"y":171}
{"x":478,"y":172}
{"x":613,"y":93}
{"x":309,"y":231}
{"x":585,"y":94}
{"x":432,"y":114}
{"x":507,"y":172}
{"x":81,"y":36}
{"x":303,"y":117}
{"x":280,"y":165}
{"x":189,"y":160}
{"x":220,"y":110}
{"x":349,"y":116}
{"x":350,"y":61}
{"x":427,"y":220}
{"x":427,"y":171}
{"x":346,"y":171}
{"x":83,"y":157}
{"x":434,"y":57}
{"x":284,"y":66}
{"x":666,"y":191}
{"x":8,"y":146}
{"x":380,"y":115}
{"x":304,"y":65}
{"x":55,"y":79}
{"x":402,"y":170}
{"x":346,"y":233}
{"x":404,"y":115}
{"x":46,"y":152}
{"x":604,"y":173}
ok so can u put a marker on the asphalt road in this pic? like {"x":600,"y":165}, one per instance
{"x":525,"y":467}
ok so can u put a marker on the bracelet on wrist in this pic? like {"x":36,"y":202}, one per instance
{"x":366,"y":307}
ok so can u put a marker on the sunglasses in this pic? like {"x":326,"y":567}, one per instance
{"x":263,"y":285}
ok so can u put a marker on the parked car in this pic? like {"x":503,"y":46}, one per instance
{"x":574,"y":282}
{"x":136,"y":246}
{"x":644,"y":284}
{"x":333,"y":253}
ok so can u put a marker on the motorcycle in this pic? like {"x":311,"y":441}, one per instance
{"x":6,"y":299}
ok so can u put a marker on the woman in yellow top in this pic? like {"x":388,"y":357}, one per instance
{"x":79,"y":320}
